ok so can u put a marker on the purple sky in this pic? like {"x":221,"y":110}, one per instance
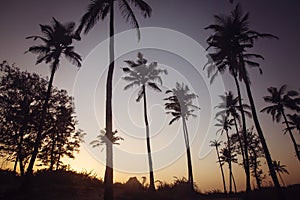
{"x":19,"y":19}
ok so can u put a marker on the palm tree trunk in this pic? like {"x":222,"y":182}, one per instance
{"x":188,"y":153}
{"x":108,"y":177}
{"x":244,"y":132}
{"x":240,"y":140}
{"x":291,"y":135}
{"x":38,"y":139}
{"x":229,"y":162}
{"x":262,"y":139}
{"x":152,"y":187}
{"x":258,"y":181}
{"x":233,"y":182}
{"x":222,"y":172}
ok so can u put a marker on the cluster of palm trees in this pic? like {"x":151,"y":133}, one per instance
{"x":231,"y":40}
{"x":179,"y":104}
{"x":230,"y":43}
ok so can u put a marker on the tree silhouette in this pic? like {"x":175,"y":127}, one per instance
{"x":99,"y":9}
{"x":216,"y":144}
{"x":281,"y":100}
{"x":225,"y":123}
{"x":231,"y":40}
{"x":57,"y":41}
{"x":229,"y":107}
{"x":280,"y":169}
{"x":180,"y":105}
{"x":21,"y":100}
{"x":228,"y":157}
{"x":140,"y":74}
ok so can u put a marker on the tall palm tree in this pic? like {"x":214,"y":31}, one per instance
{"x":280,"y":100}
{"x":99,"y":9}
{"x":180,"y":105}
{"x":231,"y":39}
{"x":280,"y":169}
{"x":56,"y":41}
{"x":216,"y":144}
{"x":140,"y":74}
{"x":230,"y":106}
{"x":225,"y":123}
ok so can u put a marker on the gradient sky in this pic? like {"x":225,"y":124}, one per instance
{"x":20,"y":19}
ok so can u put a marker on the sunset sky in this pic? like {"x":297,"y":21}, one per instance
{"x":174,"y":37}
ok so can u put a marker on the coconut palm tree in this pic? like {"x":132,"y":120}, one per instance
{"x":280,"y":169}
{"x":280,"y":100}
{"x":231,"y":39}
{"x":141,"y":74}
{"x":99,"y":9}
{"x":228,"y":157}
{"x":56,"y":41}
{"x":180,"y":105}
{"x":216,"y":144}
{"x":229,"y":107}
{"x":225,"y":123}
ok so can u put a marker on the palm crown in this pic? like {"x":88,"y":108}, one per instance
{"x":280,"y":99}
{"x":181,"y":102}
{"x":99,"y":9}
{"x":57,"y":40}
{"x":138,"y":73}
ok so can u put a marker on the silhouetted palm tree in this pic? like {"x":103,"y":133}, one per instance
{"x":230,"y":107}
{"x":225,"y":123}
{"x":280,"y":100}
{"x":180,"y":105}
{"x":99,"y":9}
{"x":140,"y":74}
{"x":228,"y":157}
{"x":57,"y":41}
{"x":280,"y":169}
{"x":216,"y":144}
{"x":231,"y":39}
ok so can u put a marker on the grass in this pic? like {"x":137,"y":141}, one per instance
{"x":70,"y":185}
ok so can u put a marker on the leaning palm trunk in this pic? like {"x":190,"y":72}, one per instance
{"x":38,"y":139}
{"x":188,"y":154}
{"x":108,"y":177}
{"x":152,"y":187}
{"x":244,"y":132}
{"x":262,"y":139}
{"x":291,"y":135}
{"x":229,"y":162}
{"x":222,"y":172}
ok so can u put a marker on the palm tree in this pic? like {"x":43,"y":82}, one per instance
{"x":140,"y":74}
{"x":225,"y":123}
{"x":180,"y":105}
{"x":99,"y":9}
{"x":280,"y":169}
{"x":281,"y":100}
{"x":229,"y":107}
{"x":57,"y":41}
{"x":231,"y":39}
{"x":228,"y":157}
{"x":216,"y":144}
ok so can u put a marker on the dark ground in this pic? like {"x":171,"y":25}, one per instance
{"x":68,"y":185}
